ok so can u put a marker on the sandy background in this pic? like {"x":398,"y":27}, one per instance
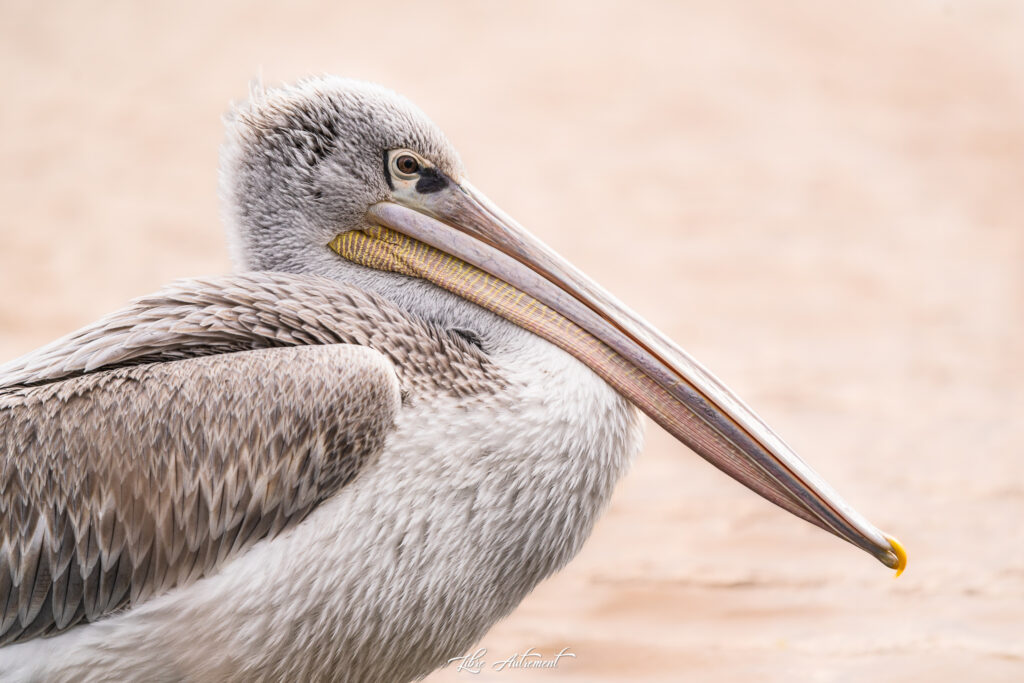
{"x":824,"y":202}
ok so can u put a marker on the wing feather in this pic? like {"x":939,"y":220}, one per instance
{"x":146,"y":449}
{"x":202,"y":317}
{"x":171,"y":468}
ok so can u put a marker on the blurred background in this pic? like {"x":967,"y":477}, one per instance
{"x":826,"y":203}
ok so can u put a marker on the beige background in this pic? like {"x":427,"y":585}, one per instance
{"x":821,"y":201}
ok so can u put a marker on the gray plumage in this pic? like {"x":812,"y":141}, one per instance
{"x":326,"y":473}
{"x":339,"y":471}
{"x":131,"y":459}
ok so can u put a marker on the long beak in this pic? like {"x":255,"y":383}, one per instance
{"x":564,"y":306}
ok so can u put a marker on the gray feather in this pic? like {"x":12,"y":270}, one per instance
{"x":132,"y":459}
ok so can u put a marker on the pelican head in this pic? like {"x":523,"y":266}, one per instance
{"x":351,"y":181}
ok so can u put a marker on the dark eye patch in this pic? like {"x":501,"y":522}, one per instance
{"x":431,"y":180}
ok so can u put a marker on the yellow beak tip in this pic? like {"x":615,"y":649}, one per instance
{"x":901,"y":554}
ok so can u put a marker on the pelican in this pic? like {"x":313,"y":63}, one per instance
{"x":349,"y":459}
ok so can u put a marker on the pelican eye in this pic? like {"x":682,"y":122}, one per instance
{"x":407,"y":164}
{"x":412,"y":170}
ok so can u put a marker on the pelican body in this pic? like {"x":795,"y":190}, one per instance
{"x":348,"y":460}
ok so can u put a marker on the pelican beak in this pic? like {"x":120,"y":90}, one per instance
{"x":455,"y":237}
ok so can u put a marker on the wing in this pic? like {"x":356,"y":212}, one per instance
{"x":117,"y":484}
{"x":200,"y":317}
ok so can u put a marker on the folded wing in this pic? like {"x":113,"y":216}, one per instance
{"x":148,"y":466}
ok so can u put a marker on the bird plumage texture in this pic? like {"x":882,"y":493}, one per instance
{"x":121,"y":484}
{"x":237,"y":384}
{"x":410,"y":465}
{"x":90,"y":526}
{"x":300,"y":162}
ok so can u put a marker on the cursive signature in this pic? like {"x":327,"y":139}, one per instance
{"x":531,"y":659}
